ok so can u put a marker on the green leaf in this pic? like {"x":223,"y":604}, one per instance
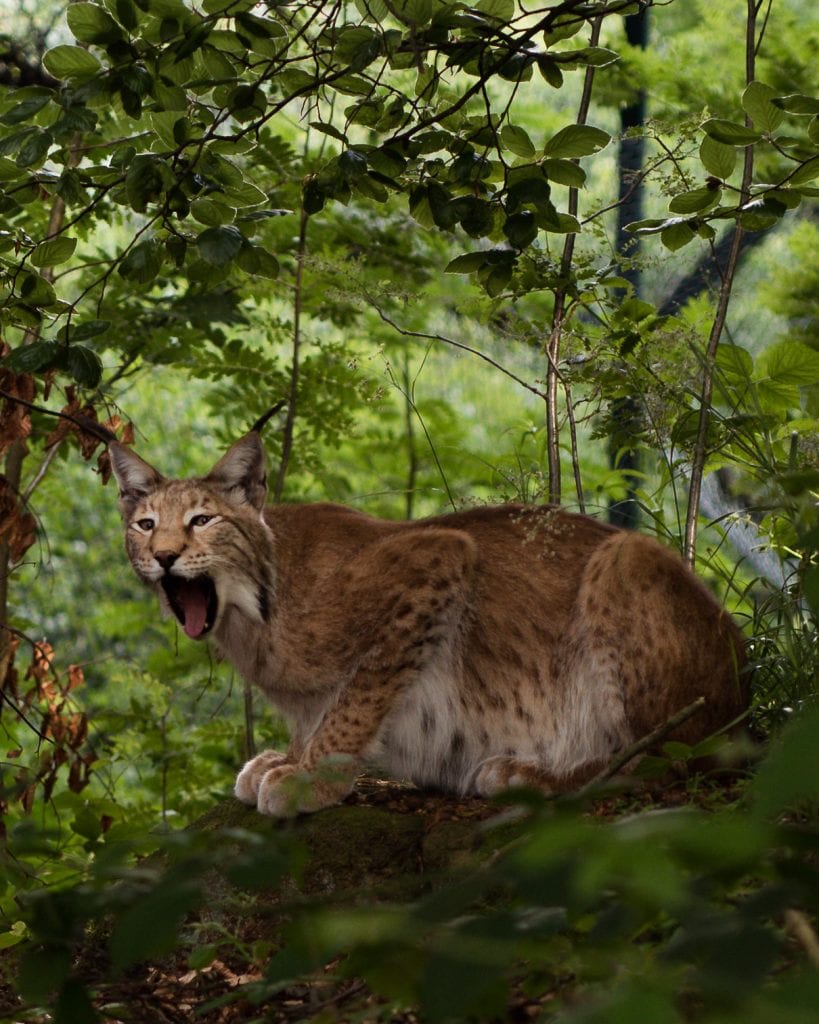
{"x":563,"y":26}
{"x":550,"y":69}
{"x":212,"y":213}
{"x":202,"y":957}
{"x":218,"y":246}
{"x":761,"y":214}
{"x":352,"y":163}
{"x":149,"y":927}
{"x":790,"y":362}
{"x":372,"y":10}
{"x":329,"y":129}
{"x":31,"y":358}
{"x":244,"y":194}
{"x":796,"y":103}
{"x":86,"y":329}
{"x":357,"y":47}
{"x":757,"y":102}
{"x":501,"y":10}
{"x":730,"y":133}
{"x":676,"y":234}
{"x":26,"y":109}
{"x":576,"y":140}
{"x":313,"y":197}
{"x":517,"y":140}
{"x":92,"y":24}
{"x":127,"y":14}
{"x":790,"y":772}
{"x":521,"y":229}
{"x":43,"y":971}
{"x":695,"y":200}
{"x":143,"y":262}
{"x":34,"y":148}
{"x":84,"y":366}
{"x":735,"y":364}
{"x":466,"y":263}
{"x":255,"y":260}
{"x":71,"y":63}
{"x":74,"y":1005}
{"x":412,"y":12}
{"x":144,"y":181}
{"x":497,"y":279}
{"x":164,"y":123}
{"x":807,"y":172}
{"x":566,"y":225}
{"x":593,"y":56}
{"x":53,"y":251}
{"x":35,"y":290}
{"x":564,"y":172}
{"x":717,"y":158}
{"x":9,"y":171}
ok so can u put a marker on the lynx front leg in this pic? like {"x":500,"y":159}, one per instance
{"x":250,"y":777}
{"x":402,"y":606}
{"x":327,"y":770}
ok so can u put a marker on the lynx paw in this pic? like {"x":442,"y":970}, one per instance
{"x":499,"y":773}
{"x":250,"y":777}
{"x":287,"y":789}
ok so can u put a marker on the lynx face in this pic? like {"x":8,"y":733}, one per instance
{"x":193,"y":541}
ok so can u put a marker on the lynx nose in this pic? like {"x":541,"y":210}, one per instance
{"x":166,"y":558}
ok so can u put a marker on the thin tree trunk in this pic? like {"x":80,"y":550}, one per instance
{"x":625,"y":412}
{"x":560,"y":310}
{"x":700,"y":454}
{"x":412,"y":448}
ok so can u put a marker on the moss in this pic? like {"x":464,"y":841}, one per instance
{"x":359,"y":846}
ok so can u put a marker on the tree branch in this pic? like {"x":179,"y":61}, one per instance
{"x":83,"y":422}
{"x":623,"y":758}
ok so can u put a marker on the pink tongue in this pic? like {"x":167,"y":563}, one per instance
{"x":195,"y":606}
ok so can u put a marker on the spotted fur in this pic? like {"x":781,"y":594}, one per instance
{"x":471,"y":651}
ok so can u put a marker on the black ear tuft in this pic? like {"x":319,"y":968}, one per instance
{"x":260,"y":422}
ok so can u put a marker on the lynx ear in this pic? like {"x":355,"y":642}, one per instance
{"x":135,"y":477}
{"x":241,"y":472}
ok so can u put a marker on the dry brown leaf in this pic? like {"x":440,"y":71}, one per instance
{"x":15,"y":418}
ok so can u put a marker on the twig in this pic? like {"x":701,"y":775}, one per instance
{"x":798,"y":924}
{"x":290,"y":419}
{"x":405,"y":332}
{"x":83,"y":422}
{"x":647,"y":741}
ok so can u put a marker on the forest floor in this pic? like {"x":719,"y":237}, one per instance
{"x":386,"y":838}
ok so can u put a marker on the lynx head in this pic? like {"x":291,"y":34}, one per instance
{"x":202,"y":543}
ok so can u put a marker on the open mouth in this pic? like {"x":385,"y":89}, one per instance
{"x":193,"y":602}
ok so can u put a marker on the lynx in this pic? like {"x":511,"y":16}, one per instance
{"x":470,"y":652}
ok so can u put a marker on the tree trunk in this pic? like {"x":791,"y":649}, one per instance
{"x":625,"y":412}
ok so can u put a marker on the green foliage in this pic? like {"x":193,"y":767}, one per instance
{"x":217,"y":206}
{"x":689,"y":901}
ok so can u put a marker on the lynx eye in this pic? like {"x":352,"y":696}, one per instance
{"x":201,"y":520}
{"x":145,"y":524}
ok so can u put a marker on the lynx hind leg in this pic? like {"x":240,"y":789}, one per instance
{"x":250,"y":777}
{"x":498,"y":774}
{"x":671,"y":641}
